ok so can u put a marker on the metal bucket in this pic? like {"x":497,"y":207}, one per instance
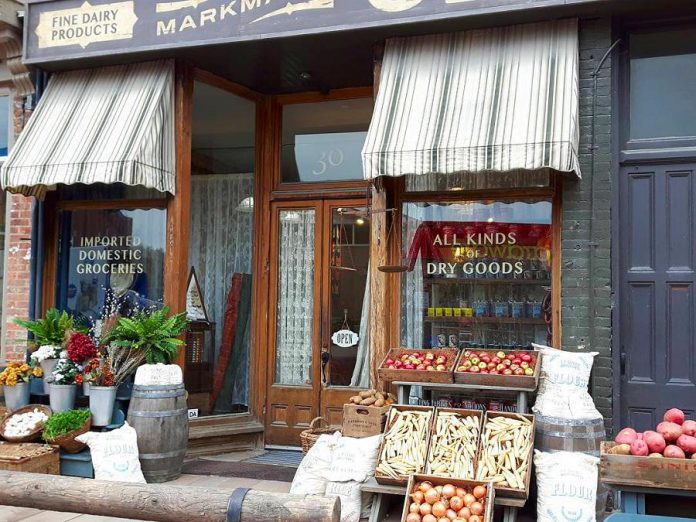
{"x":62,"y":397}
{"x":101,"y":404}
{"x":47,"y":366}
{"x":16,"y":396}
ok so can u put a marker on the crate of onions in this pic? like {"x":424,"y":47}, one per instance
{"x":432,"y":499}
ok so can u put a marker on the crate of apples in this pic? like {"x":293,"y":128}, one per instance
{"x":511,"y":368}
{"x":402,"y":364}
{"x":436,"y":499}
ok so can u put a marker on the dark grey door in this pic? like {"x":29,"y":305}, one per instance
{"x":658,"y":314}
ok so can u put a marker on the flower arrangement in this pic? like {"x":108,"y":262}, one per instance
{"x":66,"y":372}
{"x":46,"y":351}
{"x":98,"y":372}
{"x":81,"y":347}
{"x":17,"y":372}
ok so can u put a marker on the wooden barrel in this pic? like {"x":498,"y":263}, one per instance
{"x":583,"y":436}
{"x":160,"y":417}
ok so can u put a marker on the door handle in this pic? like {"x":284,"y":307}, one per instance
{"x":622,"y":363}
{"x":325,"y":358}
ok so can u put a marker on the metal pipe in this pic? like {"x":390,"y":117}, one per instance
{"x":593,"y":147}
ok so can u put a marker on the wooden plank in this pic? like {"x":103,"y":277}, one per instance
{"x":179,"y":205}
{"x":646,"y":472}
{"x":157,"y":502}
{"x":333,"y":95}
{"x":379,"y":314}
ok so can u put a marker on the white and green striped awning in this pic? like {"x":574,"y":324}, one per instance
{"x":485,"y":100}
{"x":106,"y":125}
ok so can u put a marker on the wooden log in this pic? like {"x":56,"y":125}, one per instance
{"x":158,"y":502}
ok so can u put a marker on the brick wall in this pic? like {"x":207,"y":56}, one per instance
{"x":577,"y":284}
{"x":17,"y":260}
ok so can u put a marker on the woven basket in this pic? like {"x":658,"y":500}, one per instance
{"x":310,"y":436}
{"x":35,"y":433}
{"x":68,"y":443}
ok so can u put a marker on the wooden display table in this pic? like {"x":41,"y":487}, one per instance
{"x":380,"y":503}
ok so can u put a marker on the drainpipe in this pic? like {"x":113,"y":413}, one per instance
{"x":593,"y":147}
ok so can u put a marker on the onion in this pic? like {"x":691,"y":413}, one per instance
{"x":426,"y":509}
{"x":479,"y":491}
{"x":418,"y":497}
{"x":475,"y":518}
{"x":464,"y":513}
{"x":449,"y":490}
{"x":456,"y":503}
{"x":432,"y":496}
{"x":443,"y":519}
{"x":439,"y":509}
{"x":413,"y":517}
{"x":451,"y":514}
{"x":469,"y":499}
{"x":476,"y":508}
{"x":461,"y":492}
{"x":439,"y":489}
{"x":414,"y":507}
{"x":425,"y":486}
{"x":429,"y":518}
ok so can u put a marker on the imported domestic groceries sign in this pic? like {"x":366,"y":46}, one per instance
{"x":66,"y":29}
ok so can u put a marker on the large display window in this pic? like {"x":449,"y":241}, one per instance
{"x":478,"y":274}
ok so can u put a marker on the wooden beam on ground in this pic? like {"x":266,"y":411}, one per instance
{"x":158,"y":502}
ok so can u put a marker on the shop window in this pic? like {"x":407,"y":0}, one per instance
{"x":486,"y":180}
{"x":107,"y":191}
{"x":218,"y":354}
{"x":5,"y":119}
{"x":479,"y":274}
{"x":323,"y":141}
{"x":110,"y":261}
{"x":662,"y":78}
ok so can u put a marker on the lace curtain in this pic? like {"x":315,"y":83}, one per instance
{"x":361,"y":373}
{"x":295,"y":297}
{"x":412,"y":302}
{"x":220,"y":245}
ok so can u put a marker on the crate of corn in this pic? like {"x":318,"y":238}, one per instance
{"x":404,"y":445}
{"x":505,"y":453}
{"x":454,"y":443}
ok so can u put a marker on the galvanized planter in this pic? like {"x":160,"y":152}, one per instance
{"x":101,"y":404}
{"x":47,"y":366}
{"x":62,"y":397}
{"x":16,"y":396}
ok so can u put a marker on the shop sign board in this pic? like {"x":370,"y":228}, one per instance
{"x":67,"y":29}
{"x":345,"y":338}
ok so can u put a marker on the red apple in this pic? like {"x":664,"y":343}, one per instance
{"x":495,"y":360}
{"x":486,"y":359}
{"x":474,"y":369}
{"x":441,"y":367}
{"x":475,"y":360}
{"x":494,"y":372}
{"x":507,"y":362}
{"x":500,"y":367}
{"x":482,"y":365}
{"x":420,"y":367}
{"x":501,"y":355}
{"x":528,"y":371}
{"x":518,"y":371}
{"x":526,"y":357}
{"x":507,"y":371}
{"x":490,"y":366}
{"x":430,"y":368}
{"x":484,"y":371}
{"x":524,"y":364}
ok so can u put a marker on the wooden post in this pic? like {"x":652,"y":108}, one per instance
{"x":158,"y":502}
{"x":379,"y":255}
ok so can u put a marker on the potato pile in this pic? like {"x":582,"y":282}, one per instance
{"x":505,"y":449}
{"x":454,"y":444}
{"x":405,"y":443}
{"x":674,"y":437}
{"x":373,"y":398}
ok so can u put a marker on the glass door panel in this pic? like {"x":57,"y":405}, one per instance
{"x":295,"y":312}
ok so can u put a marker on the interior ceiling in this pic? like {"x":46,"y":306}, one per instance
{"x":345,"y":59}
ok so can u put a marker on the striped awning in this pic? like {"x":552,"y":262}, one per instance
{"x":485,"y":100}
{"x":106,"y":125}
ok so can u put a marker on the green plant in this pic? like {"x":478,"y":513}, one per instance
{"x":62,"y":423}
{"x":150,"y":331}
{"x":49,"y":331}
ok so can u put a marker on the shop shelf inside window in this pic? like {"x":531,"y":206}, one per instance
{"x":528,"y":380}
{"x":412,"y":371}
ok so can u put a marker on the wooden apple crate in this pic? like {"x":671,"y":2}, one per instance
{"x":460,"y":413}
{"x":442,"y":377}
{"x":649,"y":472}
{"x":505,"y":491}
{"x":520,"y":382}
{"x":441,"y":481}
{"x":30,"y":458}
{"x":402,"y":480}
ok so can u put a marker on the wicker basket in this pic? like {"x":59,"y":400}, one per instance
{"x":68,"y":443}
{"x":35,"y":433}
{"x":310,"y":436}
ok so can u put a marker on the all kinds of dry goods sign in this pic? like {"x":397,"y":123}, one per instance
{"x":64,"y":29}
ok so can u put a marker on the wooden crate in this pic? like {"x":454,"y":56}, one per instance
{"x":363,"y":421}
{"x":441,"y":481}
{"x":402,"y":480}
{"x":525,"y":382}
{"x":650,"y":472}
{"x":30,"y":458}
{"x":442,"y":377}
{"x":461,"y":413}
{"x":504,"y":491}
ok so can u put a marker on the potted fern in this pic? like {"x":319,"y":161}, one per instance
{"x":149,"y":336}
{"x":49,"y":335}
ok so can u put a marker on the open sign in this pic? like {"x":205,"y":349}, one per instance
{"x":345,"y":338}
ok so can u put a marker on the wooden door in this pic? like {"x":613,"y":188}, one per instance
{"x":320,"y":252}
{"x":658,"y":302}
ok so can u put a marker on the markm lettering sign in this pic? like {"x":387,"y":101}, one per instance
{"x":65,"y":29}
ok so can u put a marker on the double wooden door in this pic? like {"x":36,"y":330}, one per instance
{"x":319,"y":275}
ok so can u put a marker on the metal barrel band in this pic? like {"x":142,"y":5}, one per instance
{"x":234,"y":504}
{"x":157,"y":414}
{"x":157,"y":395}
{"x":162,"y":455}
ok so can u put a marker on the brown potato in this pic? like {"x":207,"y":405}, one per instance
{"x":356,"y":399}
{"x":620,"y":449}
{"x":379,"y":403}
{"x":368,"y":402}
{"x":365,"y":394}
